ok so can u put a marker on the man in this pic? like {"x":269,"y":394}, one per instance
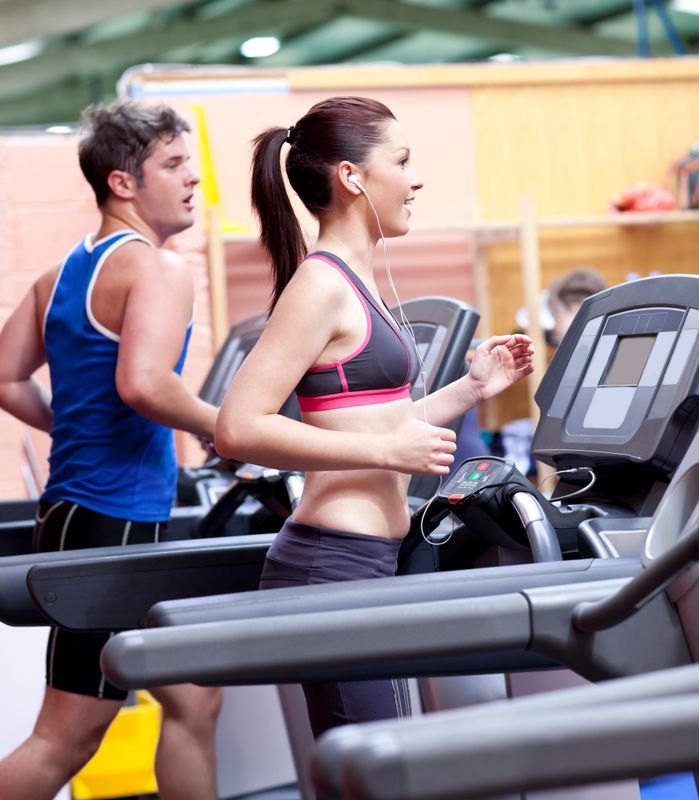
{"x":113,"y":322}
{"x":566,"y":295}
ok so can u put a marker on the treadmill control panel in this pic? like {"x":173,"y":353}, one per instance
{"x":622,"y":387}
{"x":629,"y":358}
{"x":475,"y":476}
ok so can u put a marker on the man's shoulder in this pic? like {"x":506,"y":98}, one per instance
{"x":144,"y":270}
{"x":43,"y":287}
{"x":143,"y":257}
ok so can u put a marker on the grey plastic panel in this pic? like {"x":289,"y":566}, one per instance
{"x":683,"y":349}
{"x":650,"y":638}
{"x":598,"y":362}
{"x":620,"y":536}
{"x":566,"y":388}
{"x":454,"y":323}
{"x":677,"y":507}
{"x":121,"y":583}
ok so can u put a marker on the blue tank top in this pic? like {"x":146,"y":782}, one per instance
{"x":380,"y":370}
{"x":104,"y":455}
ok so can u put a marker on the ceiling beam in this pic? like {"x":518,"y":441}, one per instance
{"x":509,"y":32}
{"x":57,"y":103}
{"x":594,"y":15}
{"x":21,"y":21}
{"x":120,"y":53}
{"x":24,"y":85}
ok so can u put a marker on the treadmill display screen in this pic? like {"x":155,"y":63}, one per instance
{"x":429,"y":340}
{"x":628,"y":361}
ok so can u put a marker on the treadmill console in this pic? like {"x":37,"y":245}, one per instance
{"x":476,"y":477}
{"x":621,"y":390}
{"x":494,"y":501}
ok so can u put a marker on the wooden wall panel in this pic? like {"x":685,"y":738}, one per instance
{"x":422,"y":264}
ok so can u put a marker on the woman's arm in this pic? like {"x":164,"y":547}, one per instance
{"x":497,"y":363}
{"x":311,"y":313}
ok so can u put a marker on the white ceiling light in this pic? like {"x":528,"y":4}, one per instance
{"x":688,"y":6}
{"x":260,"y":46}
{"x":20,"y":52}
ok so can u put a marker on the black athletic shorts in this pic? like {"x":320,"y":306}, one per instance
{"x":72,"y":658}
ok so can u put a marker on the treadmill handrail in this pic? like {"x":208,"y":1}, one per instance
{"x":397,"y":590}
{"x":541,"y":534}
{"x":454,"y":728}
{"x":512,"y":753}
{"x":600,"y":615}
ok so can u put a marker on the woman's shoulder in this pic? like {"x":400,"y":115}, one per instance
{"x":317,"y":273}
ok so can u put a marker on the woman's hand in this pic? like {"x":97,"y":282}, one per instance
{"x":415,"y":447}
{"x":499,"y":362}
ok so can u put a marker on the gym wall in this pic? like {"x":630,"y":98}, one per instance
{"x":46,"y":207}
{"x":570,"y":135}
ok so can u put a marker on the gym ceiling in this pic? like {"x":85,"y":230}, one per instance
{"x":56,"y":56}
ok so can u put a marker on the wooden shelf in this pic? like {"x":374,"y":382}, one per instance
{"x":527,"y":231}
{"x":508,"y":230}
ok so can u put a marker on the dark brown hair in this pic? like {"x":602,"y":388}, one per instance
{"x":334,"y":130}
{"x":121,"y":136}
{"x":575,"y":286}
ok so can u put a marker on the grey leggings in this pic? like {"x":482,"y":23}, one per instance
{"x":302,"y":555}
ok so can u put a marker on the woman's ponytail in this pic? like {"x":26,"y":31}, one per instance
{"x":280,"y":230}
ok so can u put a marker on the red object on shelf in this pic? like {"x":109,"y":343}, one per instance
{"x":644,"y":198}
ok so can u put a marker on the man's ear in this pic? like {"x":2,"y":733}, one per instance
{"x":122,"y":184}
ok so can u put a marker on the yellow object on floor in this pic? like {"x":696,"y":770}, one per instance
{"x":123,"y":765}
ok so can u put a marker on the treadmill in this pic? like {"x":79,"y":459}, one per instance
{"x":630,"y":727}
{"x":655,"y":414}
{"x":141,"y":575}
{"x":641,"y":619}
{"x":653,"y":420}
{"x":40,"y":589}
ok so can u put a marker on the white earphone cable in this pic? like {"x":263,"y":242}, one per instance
{"x":409,"y":328}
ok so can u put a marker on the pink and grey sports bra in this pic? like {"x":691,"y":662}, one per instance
{"x":381,"y":369}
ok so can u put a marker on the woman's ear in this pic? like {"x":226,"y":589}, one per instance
{"x":350,"y":178}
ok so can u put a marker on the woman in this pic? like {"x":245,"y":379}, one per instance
{"x":331,"y":339}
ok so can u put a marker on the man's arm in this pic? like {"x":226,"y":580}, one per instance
{"x":21,"y":354}
{"x":157,"y":312}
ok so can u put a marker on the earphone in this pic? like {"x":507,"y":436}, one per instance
{"x":387,"y":263}
{"x":406,"y":324}
{"x":355,"y":180}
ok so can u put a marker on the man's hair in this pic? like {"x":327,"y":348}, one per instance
{"x":121,"y":136}
{"x":575,"y":286}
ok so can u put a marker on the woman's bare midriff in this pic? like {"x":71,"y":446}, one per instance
{"x":369,"y":501}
